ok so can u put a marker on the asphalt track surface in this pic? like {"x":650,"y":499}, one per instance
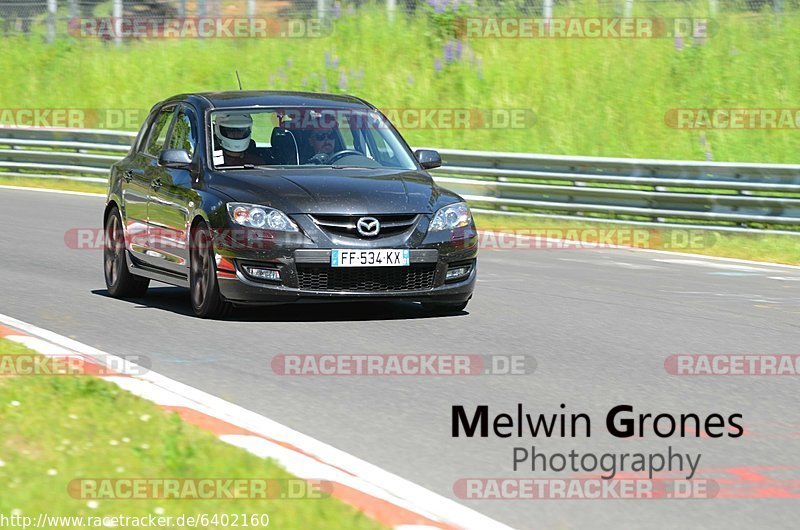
{"x":598,"y":322}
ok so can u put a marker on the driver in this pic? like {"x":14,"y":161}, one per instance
{"x":232,"y":132}
{"x":321,"y":143}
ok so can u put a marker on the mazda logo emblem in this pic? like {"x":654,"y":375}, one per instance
{"x":368,"y":226}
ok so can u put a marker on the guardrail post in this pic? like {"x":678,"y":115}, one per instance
{"x":321,"y":10}
{"x":73,"y":8}
{"x":391,"y":7}
{"x":548,"y":11}
{"x":628,"y":8}
{"x":116,"y":15}
{"x":251,"y":8}
{"x":52,"y":7}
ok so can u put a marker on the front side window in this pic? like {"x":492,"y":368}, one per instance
{"x":352,"y":138}
{"x":158,"y":132}
{"x":183,"y":134}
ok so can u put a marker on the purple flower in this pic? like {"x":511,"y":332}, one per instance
{"x":410,"y":80}
{"x":447,"y":51}
{"x":459,"y":49}
{"x":335,"y":63}
{"x":455,"y":4}
{"x":437,"y":65}
{"x":337,"y":9}
{"x":289,"y":62}
{"x":342,"y":81}
{"x":327,"y":59}
{"x":678,"y":42}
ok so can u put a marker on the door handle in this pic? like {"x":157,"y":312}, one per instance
{"x":156,"y":184}
{"x":128,"y":175}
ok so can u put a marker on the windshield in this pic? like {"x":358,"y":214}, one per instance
{"x":352,"y":138}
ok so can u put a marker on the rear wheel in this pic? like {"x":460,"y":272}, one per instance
{"x":119,"y":280}
{"x":207,"y":301}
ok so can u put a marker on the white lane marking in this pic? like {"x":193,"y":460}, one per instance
{"x":304,"y":466}
{"x":445,"y":510}
{"x":702,"y":263}
{"x":612,"y":263}
{"x":45,"y":190}
{"x":684,"y":254}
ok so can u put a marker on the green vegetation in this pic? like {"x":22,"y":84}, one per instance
{"x":59,"y":428}
{"x":604,"y":96}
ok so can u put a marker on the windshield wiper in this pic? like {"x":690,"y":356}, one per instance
{"x":243,"y":166}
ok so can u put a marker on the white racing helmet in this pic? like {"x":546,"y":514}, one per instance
{"x":233,"y":131}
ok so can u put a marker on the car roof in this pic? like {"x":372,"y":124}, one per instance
{"x":270,"y":98}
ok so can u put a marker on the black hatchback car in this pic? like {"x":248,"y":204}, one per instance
{"x":271,"y":197}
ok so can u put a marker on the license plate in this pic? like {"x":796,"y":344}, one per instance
{"x":369,"y":258}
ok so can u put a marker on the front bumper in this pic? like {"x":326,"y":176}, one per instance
{"x":237,"y":287}
{"x":303,"y":260}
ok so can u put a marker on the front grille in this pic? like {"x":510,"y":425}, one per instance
{"x":415,"y":277}
{"x":345,"y":225}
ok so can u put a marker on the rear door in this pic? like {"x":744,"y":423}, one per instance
{"x":151,"y":175}
{"x":135,"y":185}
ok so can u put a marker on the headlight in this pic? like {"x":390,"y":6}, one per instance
{"x":255,"y":216}
{"x":450,"y":217}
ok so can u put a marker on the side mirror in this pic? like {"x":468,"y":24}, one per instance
{"x":174,"y":158}
{"x":428,"y":158}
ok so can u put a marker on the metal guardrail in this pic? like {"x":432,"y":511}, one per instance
{"x":725,"y":196}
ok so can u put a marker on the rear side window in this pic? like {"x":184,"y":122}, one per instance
{"x":183,"y":134}
{"x":158,"y":133}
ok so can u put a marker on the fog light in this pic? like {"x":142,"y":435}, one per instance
{"x":456,"y":272}
{"x":262,"y":274}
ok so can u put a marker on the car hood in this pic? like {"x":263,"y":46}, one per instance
{"x":334,"y":191}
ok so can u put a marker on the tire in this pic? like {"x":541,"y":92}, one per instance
{"x":445,"y":309}
{"x":119,"y":280}
{"x":207,"y":302}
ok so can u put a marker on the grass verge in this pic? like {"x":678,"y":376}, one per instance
{"x":580,"y":96}
{"x":58,"y":428}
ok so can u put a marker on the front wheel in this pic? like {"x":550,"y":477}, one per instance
{"x":207,"y":301}
{"x":119,"y":280}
